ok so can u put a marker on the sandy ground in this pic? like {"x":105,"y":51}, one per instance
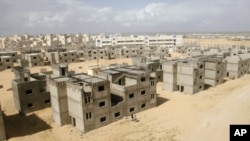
{"x":216,"y":42}
{"x":205,"y":116}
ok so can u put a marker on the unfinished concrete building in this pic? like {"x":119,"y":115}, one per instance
{"x":51,"y":57}
{"x":30,"y":92}
{"x":152,"y":65}
{"x":68,"y":57}
{"x":34,"y":59}
{"x":58,"y":95}
{"x":103,"y":54}
{"x":12,"y":54}
{"x":190,"y":76}
{"x":170,"y":75}
{"x":133,"y":88}
{"x":89,"y":102}
{"x":237,"y":66}
{"x":62,"y":56}
{"x":127,"y":51}
{"x":161,"y":50}
{"x":96,"y":53}
{"x":111,"y":52}
{"x":6,"y":62}
{"x":91,"y":96}
{"x":80,"y":54}
{"x":2,"y":128}
{"x":214,"y":71}
{"x":184,"y":75}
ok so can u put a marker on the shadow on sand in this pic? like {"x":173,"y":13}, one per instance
{"x":161,"y":100}
{"x":20,"y":125}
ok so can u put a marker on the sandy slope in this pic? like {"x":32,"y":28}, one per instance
{"x":204,"y":116}
{"x":216,"y":42}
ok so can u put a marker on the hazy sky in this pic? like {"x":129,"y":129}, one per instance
{"x":96,"y":16}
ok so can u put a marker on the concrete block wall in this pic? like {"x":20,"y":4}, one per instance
{"x":89,"y":104}
{"x":126,"y":53}
{"x":28,"y":97}
{"x":134,"y":51}
{"x":11,"y":54}
{"x":236,"y":66}
{"x":6,"y":62}
{"x":59,"y":101}
{"x":185,"y":76}
{"x":34,"y":59}
{"x":103,"y":54}
{"x":214,"y":71}
{"x":138,"y":90}
{"x":29,"y":93}
{"x":73,"y":56}
{"x":64,"y":57}
{"x":52,"y":57}
{"x":91,"y":54}
{"x":80,"y":54}
{"x":170,"y":75}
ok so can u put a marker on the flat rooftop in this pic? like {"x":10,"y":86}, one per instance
{"x":111,"y":71}
{"x":61,"y":79}
{"x":87,"y":78}
{"x":130,"y":70}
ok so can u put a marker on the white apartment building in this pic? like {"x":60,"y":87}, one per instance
{"x":146,"y":40}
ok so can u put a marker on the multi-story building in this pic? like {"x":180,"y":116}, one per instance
{"x":59,"y":98}
{"x":152,"y":65}
{"x":147,"y":40}
{"x":34,"y":59}
{"x":214,"y":71}
{"x":170,"y":75}
{"x":6,"y":62}
{"x":30,"y":92}
{"x":98,"y":53}
{"x":89,"y":102}
{"x":11,"y":54}
{"x":237,"y":66}
{"x":184,"y":75}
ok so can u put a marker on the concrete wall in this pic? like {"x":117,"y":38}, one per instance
{"x":236,"y":66}
{"x":214,"y":71}
{"x":59,"y":102}
{"x":29,"y":93}
{"x":79,"y":108}
{"x":6,"y":62}
{"x":170,"y":76}
{"x":185,"y":76}
{"x":28,"y":97}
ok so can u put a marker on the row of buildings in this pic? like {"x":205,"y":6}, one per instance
{"x":75,"y":40}
{"x":192,"y":75}
{"x":87,"y":102}
{"x":31,"y":58}
{"x":204,"y":68}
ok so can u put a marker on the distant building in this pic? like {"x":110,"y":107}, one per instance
{"x":146,"y":40}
